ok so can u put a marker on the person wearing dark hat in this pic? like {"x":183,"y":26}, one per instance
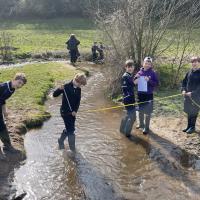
{"x":191,"y":93}
{"x":7,"y":89}
{"x":147,"y":80}
{"x":128,"y":99}
{"x":72,"y":46}
{"x":71,"y":97}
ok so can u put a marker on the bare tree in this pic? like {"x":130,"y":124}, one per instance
{"x":6,"y":48}
{"x":138,"y":28}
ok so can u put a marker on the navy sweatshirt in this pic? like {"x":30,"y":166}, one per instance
{"x":6,"y":92}
{"x":128,"y":88}
{"x":74,"y":97}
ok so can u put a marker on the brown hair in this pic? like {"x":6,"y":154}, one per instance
{"x":80,"y":78}
{"x":20,"y":76}
{"x":195,"y":58}
{"x":129,"y":63}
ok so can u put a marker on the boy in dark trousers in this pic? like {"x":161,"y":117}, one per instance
{"x":70,"y":104}
{"x":150,"y":78}
{"x":94,"y":52}
{"x":101,"y":52}
{"x":127,"y":85}
{"x":191,"y":93}
{"x":7,"y":89}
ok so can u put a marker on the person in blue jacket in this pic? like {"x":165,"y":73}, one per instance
{"x":7,"y":89}
{"x":71,"y":97}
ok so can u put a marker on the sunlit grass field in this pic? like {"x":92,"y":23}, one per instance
{"x":39,"y":35}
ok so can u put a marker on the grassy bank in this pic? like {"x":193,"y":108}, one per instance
{"x":28,"y":102}
{"x":36,"y":36}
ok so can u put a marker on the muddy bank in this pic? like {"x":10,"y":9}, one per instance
{"x":170,"y":128}
{"x":45,"y":57}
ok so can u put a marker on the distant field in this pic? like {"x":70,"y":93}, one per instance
{"x":36,"y":36}
{"x":172,"y":37}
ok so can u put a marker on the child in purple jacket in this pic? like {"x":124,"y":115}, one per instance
{"x":150,"y":80}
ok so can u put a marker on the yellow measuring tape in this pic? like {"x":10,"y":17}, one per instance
{"x":113,"y":107}
{"x":195,"y":103}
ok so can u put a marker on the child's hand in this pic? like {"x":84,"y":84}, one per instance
{"x":74,"y":114}
{"x":147,"y":78}
{"x":61,"y":87}
{"x":137,"y":76}
{"x":135,"y":81}
{"x":183,"y":93}
{"x":189,"y":94}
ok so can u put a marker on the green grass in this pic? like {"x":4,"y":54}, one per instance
{"x":37,"y":36}
{"x":172,"y":37}
{"x":28,"y":102}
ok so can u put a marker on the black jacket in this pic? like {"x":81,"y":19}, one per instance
{"x":6,"y":92}
{"x":128,"y":88}
{"x":74,"y":97}
{"x":72,"y":44}
{"x":191,"y":83}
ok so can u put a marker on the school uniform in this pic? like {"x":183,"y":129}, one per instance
{"x":146,"y":109}
{"x":72,"y":46}
{"x":6,"y":91}
{"x":128,"y":100}
{"x":94,"y":53}
{"x":71,"y":97}
{"x":191,"y":83}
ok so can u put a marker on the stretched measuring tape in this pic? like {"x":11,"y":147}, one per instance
{"x":115,"y":107}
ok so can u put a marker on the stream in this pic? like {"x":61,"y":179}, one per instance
{"x":107,"y":165}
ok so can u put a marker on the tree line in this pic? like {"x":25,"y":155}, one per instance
{"x":51,"y":8}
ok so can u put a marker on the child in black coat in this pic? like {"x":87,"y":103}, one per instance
{"x":71,"y":92}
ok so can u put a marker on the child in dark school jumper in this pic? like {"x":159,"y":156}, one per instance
{"x":127,"y":85}
{"x":70,"y":104}
{"x":7,"y":89}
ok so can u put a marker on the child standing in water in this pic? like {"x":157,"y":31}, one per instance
{"x":70,"y":104}
{"x":149,"y":80}
{"x":127,"y":85}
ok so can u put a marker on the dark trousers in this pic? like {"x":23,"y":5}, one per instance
{"x":69,"y":130}
{"x":4,"y":136}
{"x":128,"y":121}
{"x":73,"y":54}
{"x":94,"y":57}
{"x":145,"y":109}
{"x":192,"y":118}
{"x":144,"y":120}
